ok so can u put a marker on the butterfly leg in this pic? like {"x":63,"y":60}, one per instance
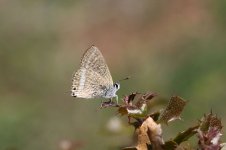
{"x":116,"y":98}
{"x":111,"y":100}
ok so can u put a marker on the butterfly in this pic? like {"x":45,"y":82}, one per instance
{"x":93,"y":79}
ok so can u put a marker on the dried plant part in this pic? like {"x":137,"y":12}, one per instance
{"x":133,"y":111}
{"x":154,"y":133}
{"x":148,"y":128}
{"x":149,"y":136}
{"x":209,"y":140}
{"x":208,"y":121}
{"x":109,"y":103}
{"x":138,"y":110}
{"x":173,"y":110}
{"x":209,"y":132}
{"x":129,"y":99}
{"x":142,"y":137}
{"x":143,"y":99}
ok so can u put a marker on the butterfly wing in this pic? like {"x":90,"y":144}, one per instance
{"x":93,"y":78}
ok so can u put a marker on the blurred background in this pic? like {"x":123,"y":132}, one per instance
{"x":168,"y":47}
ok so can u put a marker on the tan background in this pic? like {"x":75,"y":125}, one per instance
{"x":169,"y":47}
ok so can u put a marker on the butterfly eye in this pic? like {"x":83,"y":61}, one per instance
{"x":74,"y":88}
{"x":116,"y":85}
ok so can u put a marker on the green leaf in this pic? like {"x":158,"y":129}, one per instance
{"x":185,"y":135}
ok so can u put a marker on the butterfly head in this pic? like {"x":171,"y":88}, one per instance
{"x":116,"y":86}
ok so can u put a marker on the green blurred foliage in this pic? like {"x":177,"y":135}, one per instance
{"x":168,"y":47}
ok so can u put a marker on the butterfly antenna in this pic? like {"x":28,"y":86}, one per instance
{"x":127,"y":78}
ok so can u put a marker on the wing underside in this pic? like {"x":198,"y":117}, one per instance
{"x":93,"y":78}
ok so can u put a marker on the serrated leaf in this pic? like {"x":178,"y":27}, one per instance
{"x":173,"y":110}
{"x":143,"y":99}
{"x":138,"y":110}
{"x":149,"y":95}
{"x":208,"y":121}
{"x":129,"y":99}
